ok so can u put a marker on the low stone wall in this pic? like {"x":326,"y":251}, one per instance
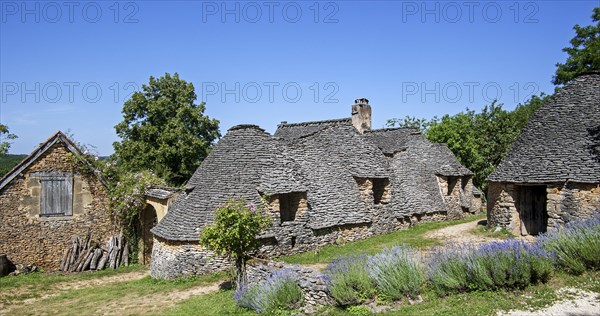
{"x":311,"y":281}
{"x":172,"y":259}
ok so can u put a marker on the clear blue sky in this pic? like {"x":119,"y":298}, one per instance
{"x":407,"y":57}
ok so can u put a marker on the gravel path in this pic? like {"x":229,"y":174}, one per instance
{"x":577,"y":302}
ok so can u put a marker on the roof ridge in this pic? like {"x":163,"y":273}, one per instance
{"x":285,"y":124}
{"x":388,"y":129}
{"x":59,"y":136}
{"x":245,"y":126}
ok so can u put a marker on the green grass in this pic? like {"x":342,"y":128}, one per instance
{"x":413,"y":236}
{"x":126,"y":295}
{"x":34,"y":285}
{"x":40,"y":279}
{"x":219,"y":303}
{"x":502,"y":233}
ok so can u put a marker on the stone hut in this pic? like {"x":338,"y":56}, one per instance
{"x":325,"y":182}
{"x":551,"y":175}
{"x":48,"y":198}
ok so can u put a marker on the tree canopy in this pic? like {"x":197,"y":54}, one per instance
{"x":163,"y":130}
{"x":584,"y":53}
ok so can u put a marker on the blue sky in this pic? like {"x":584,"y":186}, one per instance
{"x":70,"y":66}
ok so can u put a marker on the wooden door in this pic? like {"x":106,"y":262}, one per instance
{"x":532,"y":210}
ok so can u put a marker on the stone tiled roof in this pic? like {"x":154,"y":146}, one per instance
{"x":560,"y":142}
{"x":322,"y":159}
{"x":391,"y":140}
{"x":331,"y":160}
{"x":236,"y":168}
{"x":289,"y":131}
{"x":161,"y":192}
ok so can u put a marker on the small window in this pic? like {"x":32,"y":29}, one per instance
{"x":451,"y":184}
{"x":56,"y":194}
{"x":289,"y":203}
{"x":378,"y":189}
{"x":288,"y":206}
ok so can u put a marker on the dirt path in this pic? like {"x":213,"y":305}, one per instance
{"x":61,"y":287}
{"x":146,"y":304}
{"x":460,"y":234}
{"x":576,"y":302}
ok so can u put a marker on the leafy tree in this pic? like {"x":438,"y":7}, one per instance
{"x":584,"y":53}
{"x":234,"y":231}
{"x":5,"y":144}
{"x":164,"y":130}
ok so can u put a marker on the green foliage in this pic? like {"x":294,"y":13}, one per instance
{"x":127,"y":199}
{"x":478,"y":139}
{"x":234,"y":231}
{"x":584,"y":53}
{"x":410,"y":122}
{"x":5,"y":138}
{"x":8,"y":161}
{"x":163,"y":130}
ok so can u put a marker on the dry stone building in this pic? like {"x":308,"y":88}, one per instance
{"x":326,"y":182}
{"x":551,"y":175}
{"x":46,"y":200}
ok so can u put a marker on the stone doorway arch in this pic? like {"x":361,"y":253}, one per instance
{"x":148,"y":219}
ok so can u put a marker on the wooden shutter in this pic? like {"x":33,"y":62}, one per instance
{"x":57,"y":194}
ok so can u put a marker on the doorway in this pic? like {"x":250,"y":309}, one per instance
{"x":148,"y":220}
{"x":532,"y":210}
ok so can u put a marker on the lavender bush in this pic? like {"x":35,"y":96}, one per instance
{"x":279,"y":291}
{"x":576,"y":245}
{"x":508,"y":264}
{"x":396,"y":272}
{"x":348,"y":281}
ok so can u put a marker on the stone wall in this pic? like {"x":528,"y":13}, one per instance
{"x":565,"y":202}
{"x":502,"y":206}
{"x":458,"y":196}
{"x":28,"y":238}
{"x":311,"y":282}
{"x":171,"y":259}
{"x":571,"y":201}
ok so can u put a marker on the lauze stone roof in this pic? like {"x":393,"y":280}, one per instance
{"x":561,"y":141}
{"x":322,"y":159}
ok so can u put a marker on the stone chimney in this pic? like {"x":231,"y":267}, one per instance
{"x":361,"y":115}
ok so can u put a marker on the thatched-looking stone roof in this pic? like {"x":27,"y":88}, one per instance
{"x":323,"y":159}
{"x":561,"y":141}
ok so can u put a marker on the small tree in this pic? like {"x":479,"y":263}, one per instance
{"x":234,"y":231}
